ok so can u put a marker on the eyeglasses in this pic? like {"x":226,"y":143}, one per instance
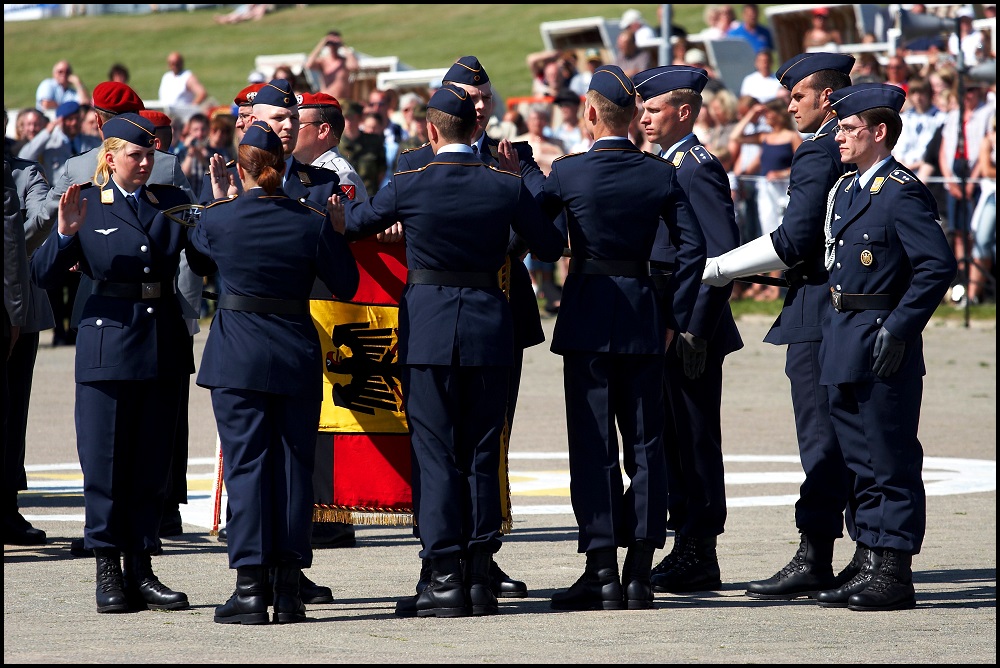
{"x":848,"y":131}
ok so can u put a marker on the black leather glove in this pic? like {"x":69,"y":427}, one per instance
{"x":888,"y":353}
{"x":693,"y":353}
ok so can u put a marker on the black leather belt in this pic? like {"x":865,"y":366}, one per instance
{"x":847,"y":302}
{"x":133,"y":290}
{"x":264,"y":305}
{"x":453,"y":279}
{"x":627,"y":268}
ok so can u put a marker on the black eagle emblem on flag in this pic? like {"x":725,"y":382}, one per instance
{"x":372,"y":366}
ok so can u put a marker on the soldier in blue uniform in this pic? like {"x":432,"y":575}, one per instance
{"x":890,"y":266}
{"x":262,"y":363}
{"x":134,"y":352}
{"x":275,"y":104}
{"x":824,"y":503}
{"x":456,"y":343}
{"x":612,"y":339}
{"x":692,"y":385}
{"x":469,"y":74}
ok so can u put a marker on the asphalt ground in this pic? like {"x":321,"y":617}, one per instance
{"x":50,"y":617}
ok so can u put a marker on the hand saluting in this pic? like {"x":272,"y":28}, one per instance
{"x":72,"y":211}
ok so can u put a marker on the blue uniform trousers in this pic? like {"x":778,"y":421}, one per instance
{"x":826,"y":491}
{"x":456,"y":417}
{"x":877,"y":427}
{"x":125,"y":431}
{"x":606,"y":392}
{"x":268,"y":450}
{"x":692,"y":443}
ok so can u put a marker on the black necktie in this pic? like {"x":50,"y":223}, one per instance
{"x":475,"y":149}
{"x":855,"y":187}
{"x":132,"y":202}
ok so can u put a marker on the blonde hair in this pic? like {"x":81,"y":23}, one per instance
{"x":103,"y":172}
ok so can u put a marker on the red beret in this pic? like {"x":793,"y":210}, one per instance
{"x":246,"y":95}
{"x":318,"y":100}
{"x":114,"y":97}
{"x":157,"y":118}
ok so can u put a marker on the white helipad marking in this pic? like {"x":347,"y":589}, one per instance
{"x":942,"y":476}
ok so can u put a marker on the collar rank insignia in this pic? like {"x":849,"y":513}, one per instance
{"x":108,"y":196}
{"x":151,"y":197}
{"x":678,"y":158}
{"x":304,"y":177}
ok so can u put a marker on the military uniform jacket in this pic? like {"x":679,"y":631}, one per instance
{"x":816,"y":166}
{"x":706,"y":183}
{"x":614,"y":196}
{"x":270,"y":247}
{"x":457,"y":215}
{"x":39,"y":214}
{"x":124,"y":339}
{"x":523,"y":304}
{"x":889,"y":241}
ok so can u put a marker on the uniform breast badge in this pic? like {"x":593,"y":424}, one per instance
{"x":866,"y":258}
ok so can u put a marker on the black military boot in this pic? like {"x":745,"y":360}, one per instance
{"x":144,"y":589}
{"x":891,"y":588}
{"x":110,"y":582}
{"x":314,"y":593}
{"x":445,"y":595}
{"x":809,"y":571}
{"x":598,"y":588}
{"x":837,"y":598}
{"x":503,"y":585}
{"x":249,"y":603}
{"x":696,"y":568}
{"x":671,"y":558}
{"x":288,"y":606}
{"x":477,"y":579}
{"x":636,"y":588}
{"x":425,"y":575}
{"x":853,"y":567}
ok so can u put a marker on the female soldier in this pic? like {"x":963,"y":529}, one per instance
{"x":134,"y":353}
{"x":262,"y":363}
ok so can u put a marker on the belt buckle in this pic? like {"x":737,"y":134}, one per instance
{"x":837,"y":299}
{"x":150,"y":290}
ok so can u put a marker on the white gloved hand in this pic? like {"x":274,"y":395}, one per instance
{"x":754,"y":257}
{"x":713,"y":274}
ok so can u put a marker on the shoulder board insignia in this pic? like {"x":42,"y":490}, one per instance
{"x":701,"y":154}
{"x":494,"y":152}
{"x":568,"y":155}
{"x":151,"y":197}
{"x":877,"y":184}
{"x":309,"y":206}
{"x":504,"y":171}
{"x":108,"y":196}
{"x":305,"y":178}
{"x":415,"y":148}
{"x":902,"y":176}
